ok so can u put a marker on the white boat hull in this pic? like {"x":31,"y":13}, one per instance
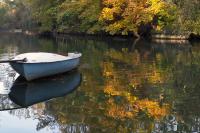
{"x":33,"y":71}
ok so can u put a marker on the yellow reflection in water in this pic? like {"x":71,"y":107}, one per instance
{"x":115,"y":85}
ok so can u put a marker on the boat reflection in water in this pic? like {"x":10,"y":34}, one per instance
{"x":25,"y":93}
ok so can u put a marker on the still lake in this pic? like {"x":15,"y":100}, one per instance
{"x":121,"y":86}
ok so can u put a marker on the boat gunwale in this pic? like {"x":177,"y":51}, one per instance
{"x":20,"y":62}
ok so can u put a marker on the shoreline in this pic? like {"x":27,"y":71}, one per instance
{"x":165,"y":37}
{"x":170,"y":37}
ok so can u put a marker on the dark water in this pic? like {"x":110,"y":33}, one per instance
{"x":121,"y":86}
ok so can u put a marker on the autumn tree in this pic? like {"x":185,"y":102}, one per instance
{"x":126,"y":16}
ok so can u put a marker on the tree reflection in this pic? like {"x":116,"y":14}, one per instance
{"x":141,"y":88}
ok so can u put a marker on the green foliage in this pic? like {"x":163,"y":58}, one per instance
{"x":3,"y":12}
{"x":15,"y":14}
{"x":68,"y":15}
{"x":80,"y":16}
{"x":187,"y":18}
{"x":44,"y":13}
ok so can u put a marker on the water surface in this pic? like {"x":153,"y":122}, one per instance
{"x":120,"y":86}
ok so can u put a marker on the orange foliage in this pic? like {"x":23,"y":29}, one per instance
{"x":119,"y":111}
{"x":153,"y":109}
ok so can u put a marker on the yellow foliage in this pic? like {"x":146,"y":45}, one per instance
{"x":114,"y":2}
{"x":119,"y":112}
{"x":145,"y":72}
{"x":109,"y":90}
{"x":126,"y":15}
{"x":108,"y":69}
{"x":113,"y":28}
{"x":115,"y":85}
{"x":114,"y":110}
{"x":153,"y":108}
{"x":107,"y":13}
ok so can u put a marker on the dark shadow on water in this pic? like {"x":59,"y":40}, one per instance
{"x":25,"y":93}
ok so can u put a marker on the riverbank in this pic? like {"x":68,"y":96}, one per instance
{"x":170,"y":37}
{"x":154,"y":37}
{"x":190,"y":37}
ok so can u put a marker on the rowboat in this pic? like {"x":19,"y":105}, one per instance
{"x":25,"y":93}
{"x":41,"y":64}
